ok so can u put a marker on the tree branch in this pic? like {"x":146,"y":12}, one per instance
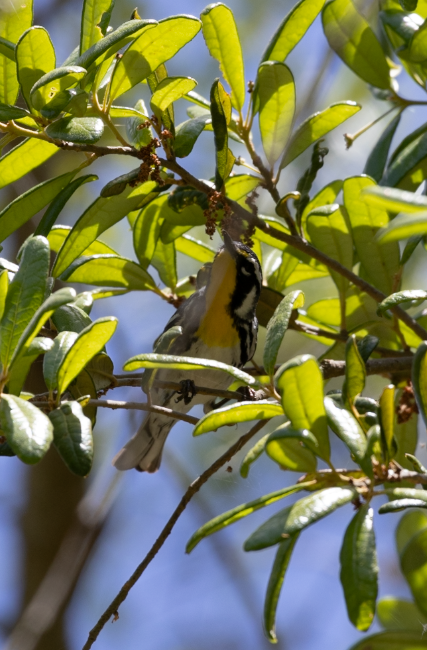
{"x":192,"y":490}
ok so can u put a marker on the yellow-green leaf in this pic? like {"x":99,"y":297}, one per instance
{"x":236,"y":413}
{"x":23,"y":158}
{"x":276,"y":93}
{"x":35,"y":56}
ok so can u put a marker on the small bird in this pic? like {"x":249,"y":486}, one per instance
{"x":218,"y":322}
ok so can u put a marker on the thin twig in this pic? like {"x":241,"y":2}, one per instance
{"x":332,"y":368}
{"x":192,"y":490}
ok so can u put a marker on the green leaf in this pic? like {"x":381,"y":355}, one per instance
{"x":253,"y":454}
{"x":84,"y":386}
{"x":43,"y":313}
{"x":111,"y":271}
{"x":186,"y":363}
{"x":155,"y":46}
{"x":25,"y":295}
{"x":407,"y":166}
{"x":419,"y":379}
{"x":301,"y":384}
{"x":72,"y":437}
{"x":53,"y":211}
{"x":15,"y":19}
{"x":316,"y":126}
{"x":89,"y":342}
{"x":222,"y":39}
{"x":99,"y":216}
{"x":54,"y":357}
{"x":186,"y":134}
{"x":4,"y":286}
{"x":346,"y":427}
{"x":275,"y":582}
{"x":59,"y":234}
{"x":28,"y":431}
{"x":326,"y":196}
{"x":25,"y":206}
{"x":359,"y":569}
{"x":377,"y":159}
{"x":401,"y":504}
{"x":139,"y":137}
{"x":410,"y":524}
{"x":95,"y":18}
{"x":355,"y":372}
{"x":351,"y":37}
{"x":146,"y":231}
{"x":221,"y":114}
{"x":396,"y":640}
{"x":7,"y":49}
{"x":277,"y":326}
{"x":70,"y":318}
{"x":294,"y":518}
{"x":331,"y":235}
{"x":23,"y":158}
{"x":292,"y":29}
{"x":168,"y":91}
{"x":413,"y":561}
{"x":164,"y":261}
{"x":286,"y":447}
{"x":35,"y":56}
{"x":401,"y":297}
{"x":194,"y":248}
{"x":394,"y":200}
{"x":82,"y":130}
{"x":18,"y":374}
{"x":402,"y":227}
{"x":236,"y":413}
{"x":231,"y":516}
{"x":8,"y":112}
{"x":379,"y":260}
{"x":50,"y":84}
{"x":396,"y":614}
{"x":276,"y":93}
{"x":417,"y":48}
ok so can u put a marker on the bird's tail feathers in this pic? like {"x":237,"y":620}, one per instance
{"x":144,"y":450}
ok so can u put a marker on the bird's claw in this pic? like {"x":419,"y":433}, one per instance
{"x":187,"y":392}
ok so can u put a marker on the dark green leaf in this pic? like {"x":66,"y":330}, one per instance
{"x":53,"y":359}
{"x":410,"y":524}
{"x":345,"y":425}
{"x":221,"y":114}
{"x":275,"y":582}
{"x":277,"y":327}
{"x":419,"y":379}
{"x":72,"y":437}
{"x":377,"y":160}
{"x":402,"y":297}
{"x":82,"y":130}
{"x":396,"y":640}
{"x":187,"y":133}
{"x":355,"y":372}
{"x":413,"y":561}
{"x":253,"y":454}
{"x":28,"y":431}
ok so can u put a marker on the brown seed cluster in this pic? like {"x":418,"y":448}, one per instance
{"x":216,"y":202}
{"x":150,"y":166}
{"x":407,"y":405}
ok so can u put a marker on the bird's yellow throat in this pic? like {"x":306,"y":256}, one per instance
{"x":216,"y":327}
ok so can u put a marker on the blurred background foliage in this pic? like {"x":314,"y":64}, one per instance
{"x":213,"y":598}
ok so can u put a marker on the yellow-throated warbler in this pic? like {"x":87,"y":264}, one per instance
{"x":218,"y":322}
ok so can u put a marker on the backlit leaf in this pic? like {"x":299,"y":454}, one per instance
{"x":110,"y":271}
{"x":276,"y":93}
{"x":23,"y":158}
{"x":35,"y":56}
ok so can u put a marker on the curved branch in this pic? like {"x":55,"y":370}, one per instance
{"x":195,"y":486}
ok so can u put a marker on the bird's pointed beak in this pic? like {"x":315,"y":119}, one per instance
{"x":229,"y":244}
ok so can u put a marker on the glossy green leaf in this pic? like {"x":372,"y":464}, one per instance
{"x":331,"y":235}
{"x":54,"y":357}
{"x":87,"y":344}
{"x":407,"y":166}
{"x":355,"y":372}
{"x":43,"y":313}
{"x":293,"y":449}
{"x":402,"y":297}
{"x":25,"y":295}
{"x":236,"y":413}
{"x":28,"y":431}
{"x":380,"y":260}
{"x":222,"y":39}
{"x":396,"y":640}
{"x":419,"y":379}
{"x":276,"y":328}
{"x":231,"y":516}
{"x":401,"y":504}
{"x":316,"y":126}
{"x":59,"y":234}
{"x":58,"y":203}
{"x":168,"y":91}
{"x":253,"y":454}
{"x":351,"y":37}
{"x":301,"y":384}
{"x":359,"y":569}
{"x":23,"y":158}
{"x":35,"y":56}
{"x":394,"y":200}
{"x":155,"y":46}
{"x":194,"y":248}
{"x":81,"y":130}
{"x":8,"y":112}
{"x":111,"y":271}
{"x":377,"y":159}
{"x":15,"y":19}
{"x":50,"y":84}
{"x":25,"y":206}
{"x":396,"y":614}
{"x":221,"y":114}
{"x":276,"y":93}
{"x":275,"y":582}
{"x":95,"y":18}
{"x":292,"y":29}
{"x":186,"y":134}
{"x":413,"y":562}
{"x":294,"y":518}
{"x":72,"y":437}
{"x":186,"y":363}
{"x":99,"y":216}
{"x":346,"y":427}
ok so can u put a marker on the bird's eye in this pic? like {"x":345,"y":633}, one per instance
{"x":244,"y":271}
